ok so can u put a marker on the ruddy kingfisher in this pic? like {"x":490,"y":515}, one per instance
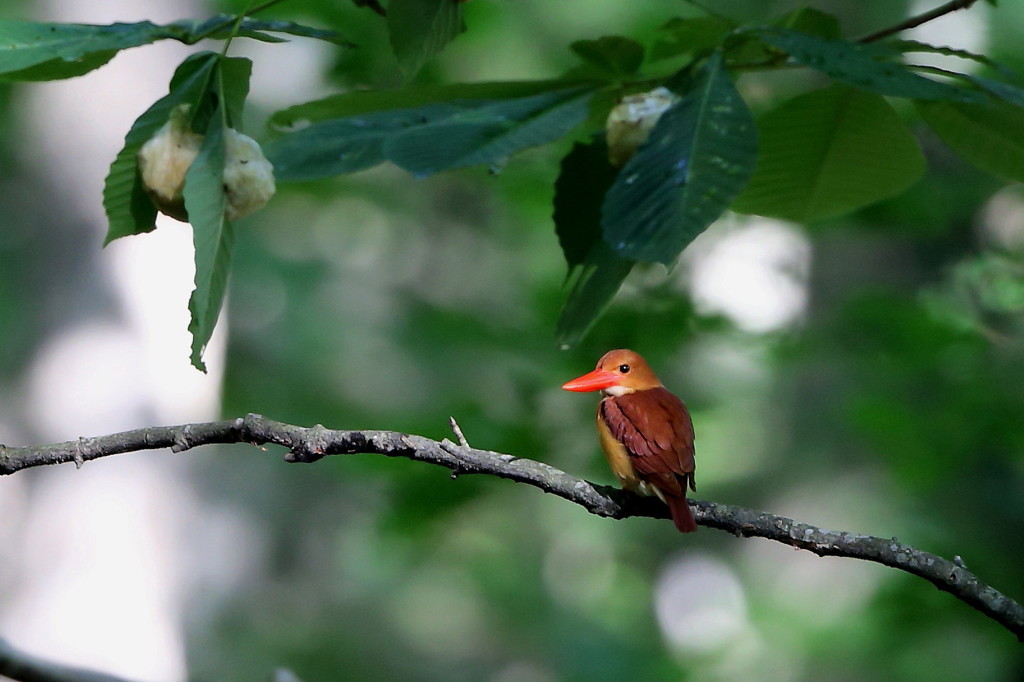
{"x":645,"y":431}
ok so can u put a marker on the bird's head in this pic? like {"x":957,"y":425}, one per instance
{"x":618,"y":372}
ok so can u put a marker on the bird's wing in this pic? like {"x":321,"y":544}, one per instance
{"x":656,"y":430}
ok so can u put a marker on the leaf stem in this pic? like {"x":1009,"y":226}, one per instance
{"x":236,"y":20}
{"x":237,"y":24}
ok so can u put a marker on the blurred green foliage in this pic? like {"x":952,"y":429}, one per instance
{"x":892,"y":406}
{"x":877,"y":413}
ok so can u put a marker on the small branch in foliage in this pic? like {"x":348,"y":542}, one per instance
{"x":307,"y":445}
{"x":915,"y":21}
{"x":457,"y":430}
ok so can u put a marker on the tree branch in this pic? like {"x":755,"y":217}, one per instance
{"x":310,"y":444}
{"x":915,"y":21}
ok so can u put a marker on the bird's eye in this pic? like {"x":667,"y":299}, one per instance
{"x":624,"y":369}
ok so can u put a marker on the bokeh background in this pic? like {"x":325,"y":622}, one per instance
{"x":864,"y":374}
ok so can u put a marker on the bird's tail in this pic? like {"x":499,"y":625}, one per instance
{"x":682,"y":515}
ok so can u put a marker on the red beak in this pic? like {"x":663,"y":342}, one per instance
{"x":597,"y":380}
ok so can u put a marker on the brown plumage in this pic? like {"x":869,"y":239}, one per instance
{"x":645,"y":431}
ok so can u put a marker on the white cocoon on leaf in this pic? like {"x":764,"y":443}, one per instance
{"x":163,"y":161}
{"x":631,"y":120}
{"x":165,"y":158}
{"x":248,"y":176}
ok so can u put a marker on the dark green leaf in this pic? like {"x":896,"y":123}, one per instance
{"x":419,"y":29}
{"x":220,"y":27}
{"x":47,"y":51}
{"x":261,"y":36}
{"x":696,"y":161}
{"x":861,"y":65}
{"x":614,"y":56}
{"x":830,"y":152}
{"x":488,"y":133}
{"x":990,"y":136}
{"x":58,"y":69}
{"x":905,"y":46}
{"x":1004,"y":91}
{"x":365,"y":101}
{"x":233,"y":76}
{"x":212,"y":236}
{"x":690,"y":36}
{"x":431,"y":138}
{"x":812,"y":21}
{"x":294,"y":29}
{"x":346,"y":145}
{"x":128,"y":208}
{"x":324,"y":151}
{"x":31,"y":51}
{"x":584,"y":178}
{"x":598,"y":281}
{"x":806,"y":20}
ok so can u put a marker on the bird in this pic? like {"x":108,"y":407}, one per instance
{"x":645,"y":431}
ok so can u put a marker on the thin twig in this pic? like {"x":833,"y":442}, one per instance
{"x":457,"y":430}
{"x":311,"y":444}
{"x":915,"y":21}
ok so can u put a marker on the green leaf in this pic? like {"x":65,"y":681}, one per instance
{"x":745,"y":48}
{"x":598,"y":281}
{"x":812,"y":21}
{"x":697,"y":159}
{"x":690,"y":36}
{"x":346,"y":145}
{"x":46,"y":51}
{"x":488,"y":133}
{"x":905,"y":46}
{"x":128,"y":207}
{"x":420,"y":29}
{"x":221,"y":26}
{"x":861,"y":65}
{"x":830,"y":152}
{"x":366,"y":101}
{"x":212,"y":236}
{"x":214,"y":88}
{"x":1004,"y":91}
{"x":613,"y":56}
{"x":37,"y":51}
{"x":434,"y":137}
{"x":990,"y":136}
{"x":233,"y":76}
{"x":584,"y":178}
{"x":58,"y":69}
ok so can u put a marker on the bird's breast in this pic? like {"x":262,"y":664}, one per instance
{"x":618,"y":458}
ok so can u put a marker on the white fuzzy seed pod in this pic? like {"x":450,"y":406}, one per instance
{"x":164,"y":160}
{"x":248,"y":176}
{"x":631,"y":120}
